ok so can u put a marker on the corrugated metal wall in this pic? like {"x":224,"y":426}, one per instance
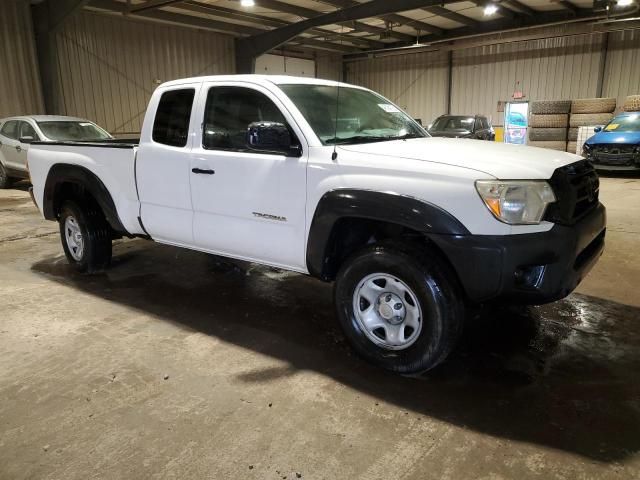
{"x":329,"y":66}
{"x":417,"y":82}
{"x":108,"y":66}
{"x":19,"y":76}
{"x":553,"y":68}
{"x":622,"y":72}
{"x":549,"y":69}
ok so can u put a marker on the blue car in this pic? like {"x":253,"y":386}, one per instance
{"x":617,"y":145}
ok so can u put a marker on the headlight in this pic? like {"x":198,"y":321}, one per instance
{"x":516,"y":202}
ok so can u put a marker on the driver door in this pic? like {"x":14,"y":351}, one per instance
{"x":246,"y":204}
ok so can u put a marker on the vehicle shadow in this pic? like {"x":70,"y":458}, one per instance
{"x":563,"y":376}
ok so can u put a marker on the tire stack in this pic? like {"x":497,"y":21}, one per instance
{"x":632,"y":103}
{"x":548,"y":124}
{"x":586,"y":112}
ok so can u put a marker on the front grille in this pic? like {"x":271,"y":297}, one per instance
{"x":619,"y":155}
{"x":576,"y":187}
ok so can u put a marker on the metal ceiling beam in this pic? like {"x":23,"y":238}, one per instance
{"x":392,"y":17}
{"x":505,"y":24}
{"x":446,"y":13}
{"x":568,"y":6}
{"x":247,"y":49}
{"x":149,"y":4}
{"x":519,"y":7}
{"x":244,"y":16}
{"x":309,"y":13}
{"x":502,"y":11}
{"x":209,"y":24}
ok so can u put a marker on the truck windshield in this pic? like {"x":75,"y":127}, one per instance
{"x":362,"y":116}
{"x":73,"y":131}
{"x":453,"y":123}
{"x":624,"y":123}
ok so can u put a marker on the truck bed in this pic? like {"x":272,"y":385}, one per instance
{"x":111,"y":161}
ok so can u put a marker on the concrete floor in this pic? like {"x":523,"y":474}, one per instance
{"x":261,"y":383}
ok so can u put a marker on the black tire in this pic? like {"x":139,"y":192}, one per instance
{"x":547,"y":107}
{"x":546,"y":134}
{"x":5,"y":181}
{"x":593,"y":105}
{"x":436,"y":291}
{"x":556,"y":120}
{"x":96,"y":237}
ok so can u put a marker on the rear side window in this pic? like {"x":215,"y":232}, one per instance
{"x":10,"y":129}
{"x":171,"y":125}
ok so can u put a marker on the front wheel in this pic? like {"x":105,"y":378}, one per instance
{"x":399,"y":308}
{"x":86,"y":238}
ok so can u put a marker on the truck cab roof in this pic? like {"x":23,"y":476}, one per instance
{"x":260,"y":79}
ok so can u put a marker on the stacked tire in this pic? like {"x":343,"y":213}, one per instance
{"x":587,"y":112}
{"x":548,"y":124}
{"x":632,"y":103}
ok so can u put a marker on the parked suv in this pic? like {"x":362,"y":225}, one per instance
{"x":267,"y":169}
{"x":462,"y":126}
{"x":16,"y":133}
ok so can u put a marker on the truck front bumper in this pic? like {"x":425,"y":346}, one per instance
{"x":531,"y":268}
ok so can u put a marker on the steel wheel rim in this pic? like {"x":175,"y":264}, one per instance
{"x":387,"y":311}
{"x":73,"y":237}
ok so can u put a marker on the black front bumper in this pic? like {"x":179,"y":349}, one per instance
{"x":530,"y":268}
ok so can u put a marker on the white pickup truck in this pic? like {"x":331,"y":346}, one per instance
{"x":335,"y":181}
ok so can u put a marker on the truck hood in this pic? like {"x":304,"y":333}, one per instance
{"x":499,"y":160}
{"x":609,"y":138}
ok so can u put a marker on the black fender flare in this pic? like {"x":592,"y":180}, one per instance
{"x":61,"y":173}
{"x":388,"y":207}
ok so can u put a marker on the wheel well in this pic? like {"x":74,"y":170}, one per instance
{"x":69,"y":190}
{"x":350,"y":234}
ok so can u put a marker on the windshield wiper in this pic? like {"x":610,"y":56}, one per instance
{"x":355,"y":139}
{"x":368,"y":138}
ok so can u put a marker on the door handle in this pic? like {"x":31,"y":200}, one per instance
{"x":18,"y":148}
{"x":203,"y":171}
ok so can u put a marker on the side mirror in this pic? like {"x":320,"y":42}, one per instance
{"x":597,"y":129}
{"x":27,"y":139}
{"x":271,"y":137}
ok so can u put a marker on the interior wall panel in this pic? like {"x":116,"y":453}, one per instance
{"x":622,"y":68}
{"x":415,"y":82}
{"x":549,"y":69}
{"x":329,"y":67}
{"x":19,"y":76}
{"x":109,"y":66}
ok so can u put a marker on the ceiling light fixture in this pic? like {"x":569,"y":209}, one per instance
{"x":247,"y":3}
{"x":490,"y":9}
{"x":624,"y":3}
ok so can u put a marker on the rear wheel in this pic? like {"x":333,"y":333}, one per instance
{"x":5,"y":181}
{"x":86,"y":238}
{"x":400,"y":310}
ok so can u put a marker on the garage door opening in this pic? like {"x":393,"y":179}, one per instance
{"x":516,"y":121}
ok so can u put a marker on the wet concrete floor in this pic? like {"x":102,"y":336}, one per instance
{"x":177,"y":364}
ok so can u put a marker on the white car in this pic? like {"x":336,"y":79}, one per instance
{"x":17,"y":133}
{"x":334,"y":181}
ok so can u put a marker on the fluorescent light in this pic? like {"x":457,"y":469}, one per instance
{"x":624,"y":3}
{"x":247,"y":3}
{"x":490,"y":9}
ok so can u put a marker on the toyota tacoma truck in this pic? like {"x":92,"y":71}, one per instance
{"x":335,"y":181}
